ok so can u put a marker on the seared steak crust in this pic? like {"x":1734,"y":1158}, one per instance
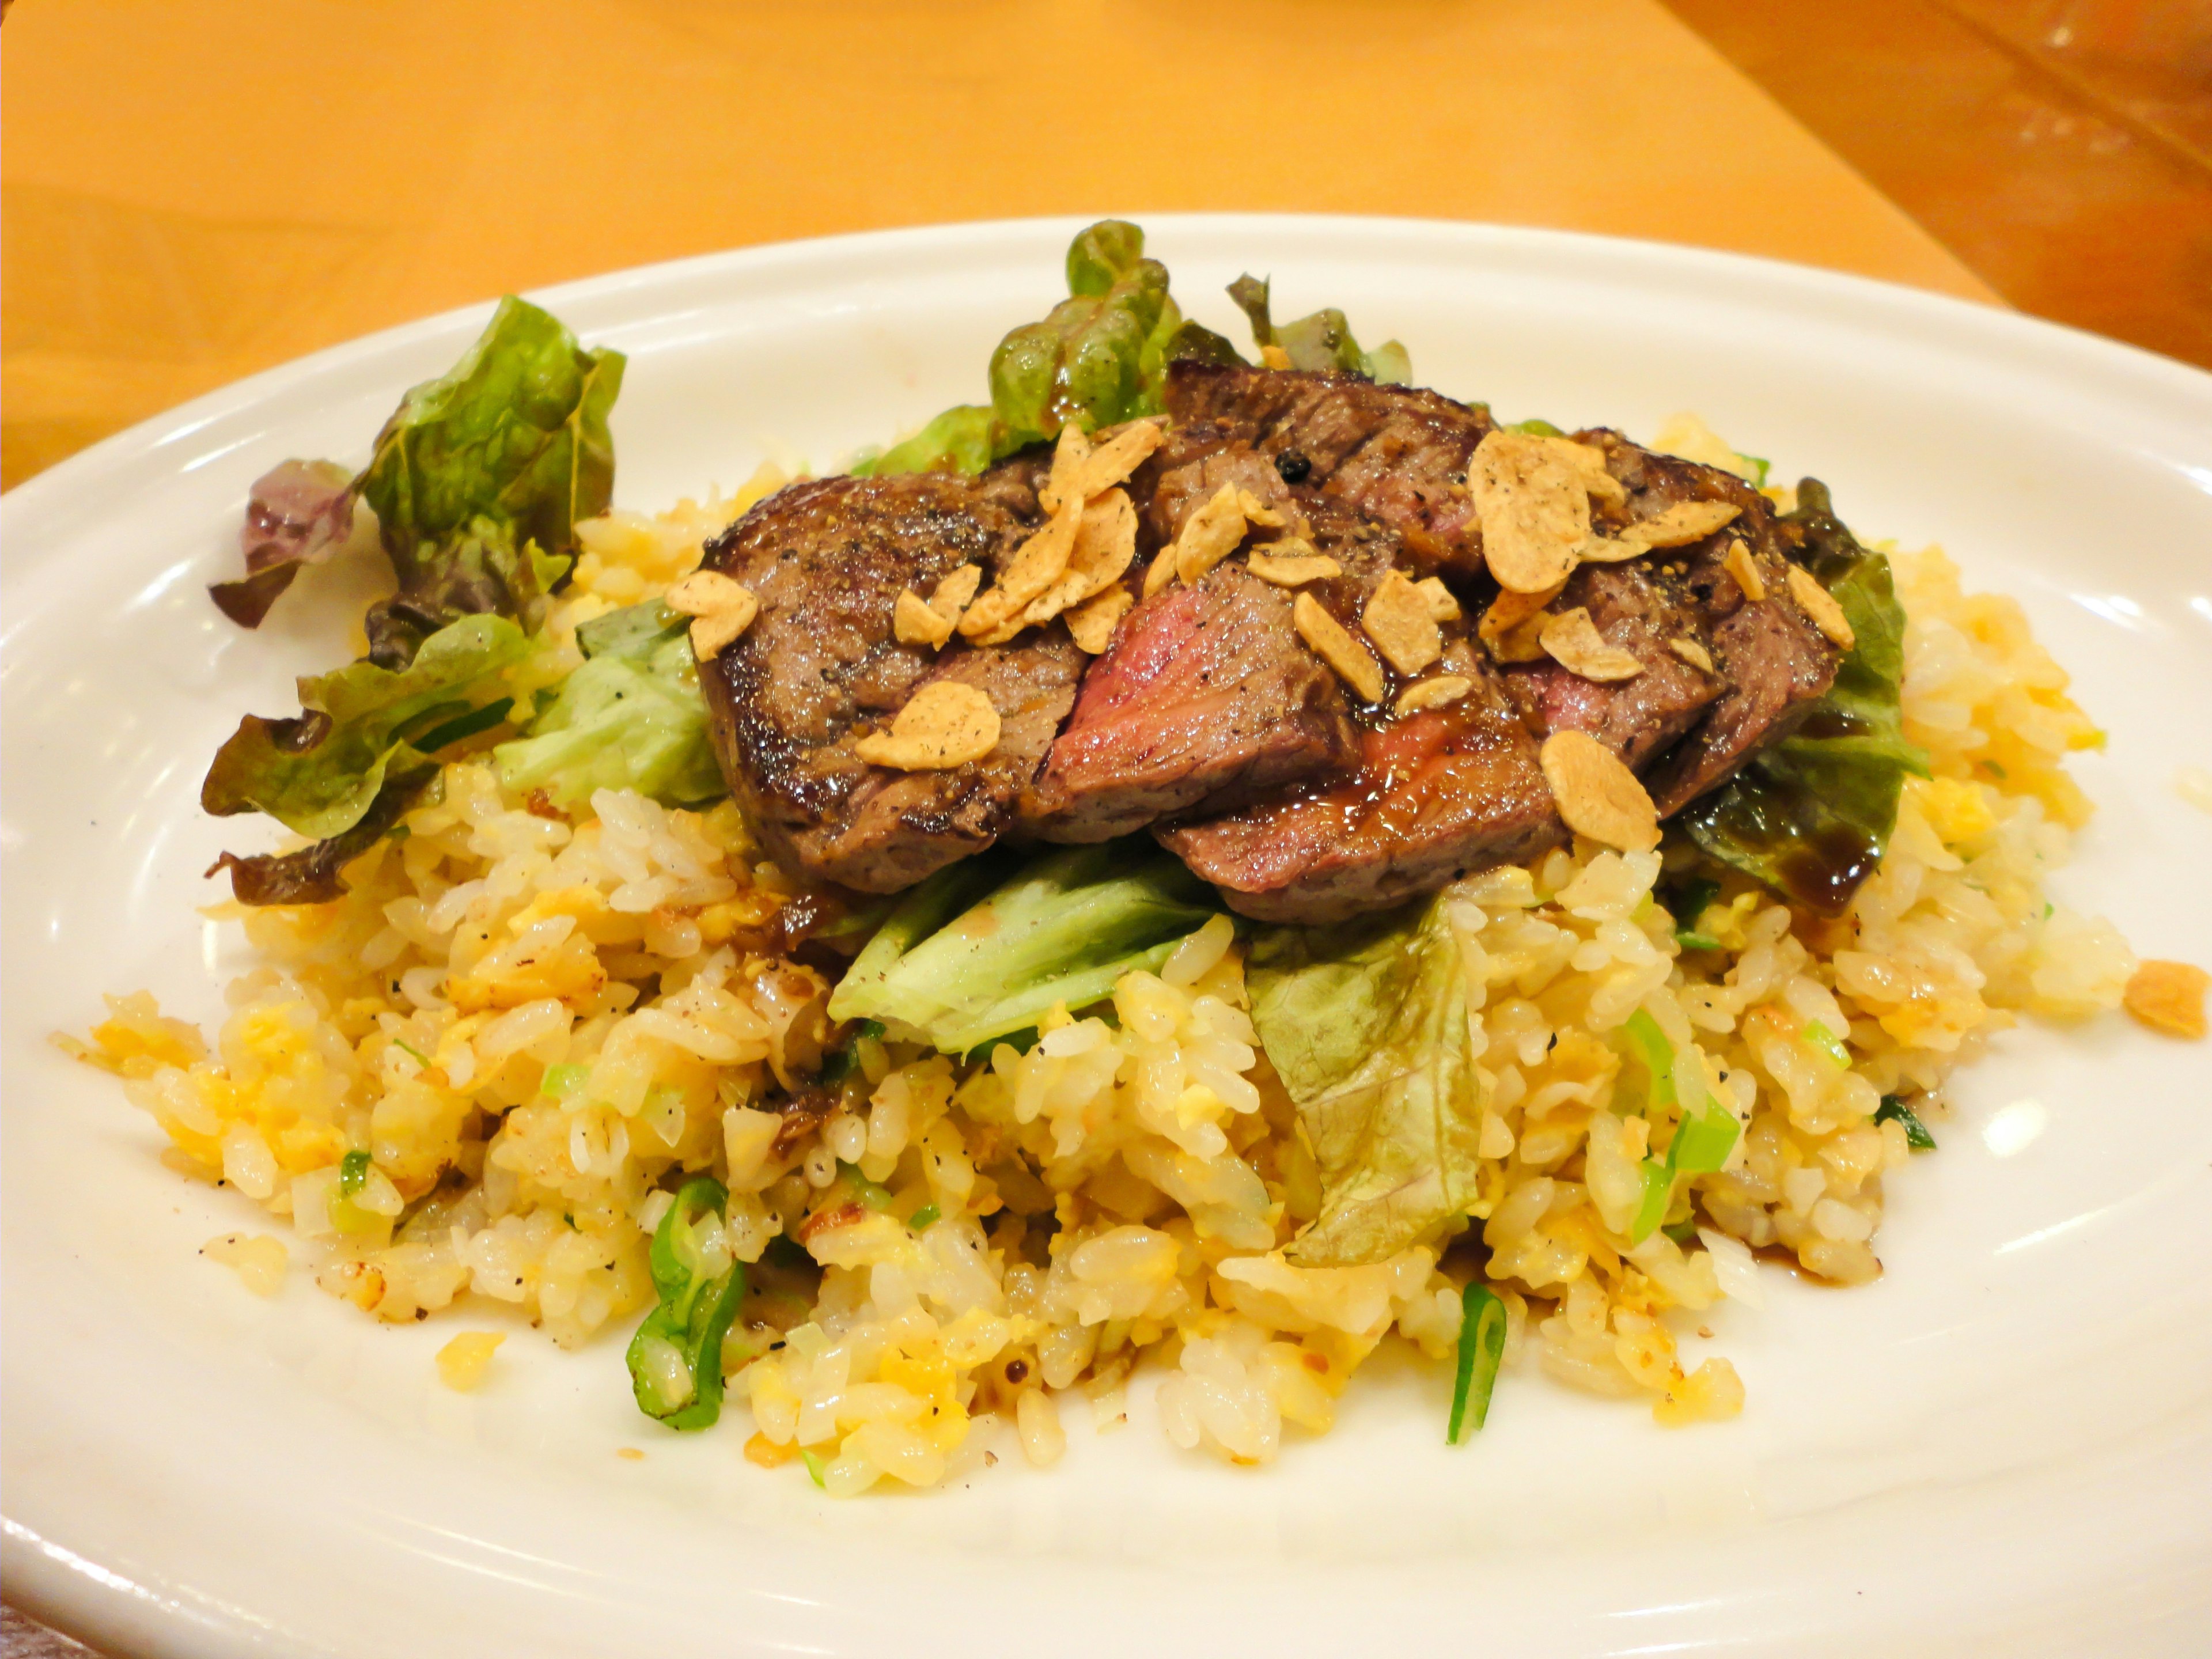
{"x":1437,"y":795}
{"x":1396,"y":454}
{"x":821,"y":667}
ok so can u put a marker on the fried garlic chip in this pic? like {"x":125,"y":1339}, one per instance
{"x":720,"y":609}
{"x":1070,"y":455}
{"x":1210,"y":534}
{"x":1682,"y":523}
{"x":1740,"y":565}
{"x":1588,"y":464}
{"x":1435,"y":692}
{"x":914,"y":621}
{"x":1105,"y":543}
{"x":1093,"y":622}
{"x":1039,"y":564}
{"x":1511,"y":630}
{"x":1397,"y":618}
{"x":1334,"y":646}
{"x":950,"y":595}
{"x":1597,"y":795}
{"x":943,"y":725}
{"x":1113,"y":461}
{"x":1691,"y":653}
{"x":1572,"y":639}
{"x":1534,"y":509}
{"x":1291,"y":563}
{"x":1820,"y":606}
{"x":1443,"y":603}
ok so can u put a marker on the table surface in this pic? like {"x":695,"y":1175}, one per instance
{"x":194,"y":190}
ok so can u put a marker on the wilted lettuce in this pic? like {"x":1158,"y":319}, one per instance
{"x":477,"y":481}
{"x":1811,"y":815}
{"x":318,"y":773}
{"x":1321,"y":341}
{"x":987,"y":947}
{"x":1366,"y":1025}
{"x":630,"y":718}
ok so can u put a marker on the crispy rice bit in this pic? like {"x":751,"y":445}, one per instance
{"x":1597,"y":794}
{"x":1397,"y":619}
{"x":1820,"y":606}
{"x":1069,"y":457}
{"x":2169,"y":997}
{"x":1511,"y":629}
{"x":944,"y":725}
{"x":1440,"y":599}
{"x":1210,"y":534}
{"x":1291,"y":563}
{"x":1534,"y":509}
{"x":1682,"y":523}
{"x":1335,"y":646}
{"x":1691,"y":653}
{"x":1738,"y":565}
{"x":1588,"y":461}
{"x":1093,"y":622}
{"x":1433,"y":693}
{"x":720,"y":611}
{"x":1572,"y":639}
{"x":914,"y":621}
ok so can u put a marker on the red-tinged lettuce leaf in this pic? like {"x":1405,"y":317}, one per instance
{"x":314,"y":875}
{"x":297,"y":514}
{"x":1811,"y":815}
{"x":320,"y":773}
{"x":1366,"y":1025}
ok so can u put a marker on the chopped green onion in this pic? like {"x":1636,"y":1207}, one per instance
{"x":926,"y":1217}
{"x":408,"y":1049}
{"x":353,"y":1173}
{"x":1655,"y":1053}
{"x":1992,"y":766}
{"x":563,"y":1080}
{"x":1828,"y":1044}
{"x":870,"y":1195}
{"x":814,"y":1467}
{"x":1481,"y":1345}
{"x":1680,"y":1231}
{"x":870,"y":1031}
{"x":1895,"y":1110}
{"x":1697,"y":941}
{"x":2048,"y":908}
{"x":684,"y":1333}
{"x":1658,"y":1197}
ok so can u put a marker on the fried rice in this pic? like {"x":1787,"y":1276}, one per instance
{"x":531,"y":1020}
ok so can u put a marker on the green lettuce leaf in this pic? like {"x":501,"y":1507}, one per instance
{"x":985,"y":947}
{"x":1811,"y":815}
{"x":317,"y":775}
{"x":1366,"y":1025}
{"x":480,"y":477}
{"x":1097,"y":358}
{"x":1321,"y":341}
{"x":630,"y":718}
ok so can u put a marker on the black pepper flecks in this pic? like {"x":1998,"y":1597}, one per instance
{"x":1293,"y":466}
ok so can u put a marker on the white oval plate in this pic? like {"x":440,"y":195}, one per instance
{"x":2006,"y":1442}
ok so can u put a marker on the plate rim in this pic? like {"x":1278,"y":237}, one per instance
{"x":67,"y":1588}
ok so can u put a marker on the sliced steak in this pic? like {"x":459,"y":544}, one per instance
{"x":1396,"y":454}
{"x":1208,"y":698}
{"x":820,"y":668}
{"x":1772,"y":663}
{"x":1437,"y":795}
{"x":1642,"y":613}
